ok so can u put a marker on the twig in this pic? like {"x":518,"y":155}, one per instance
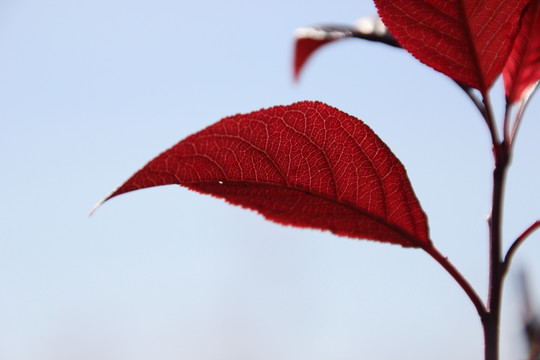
{"x":512,"y":250}
{"x":460,"y":279}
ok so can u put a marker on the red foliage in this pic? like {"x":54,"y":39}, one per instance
{"x":468,"y":40}
{"x":310,"y":39}
{"x":303,"y":49}
{"x":306,"y":164}
{"x":523,"y":67}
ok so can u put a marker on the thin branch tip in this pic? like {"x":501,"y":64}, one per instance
{"x":520,"y":239}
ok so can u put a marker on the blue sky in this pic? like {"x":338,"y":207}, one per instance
{"x":92,"y":90}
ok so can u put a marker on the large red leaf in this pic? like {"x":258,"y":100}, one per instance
{"x":310,"y":39}
{"x":307,"y":165}
{"x":523,"y":67}
{"x":468,"y":40}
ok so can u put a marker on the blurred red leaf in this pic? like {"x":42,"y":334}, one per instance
{"x":304,"y":47}
{"x":467,"y":40}
{"x":523,"y":67}
{"x":306,"y":165}
{"x":310,"y":39}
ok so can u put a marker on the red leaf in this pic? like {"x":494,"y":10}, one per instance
{"x":307,"y":165}
{"x":310,"y":39}
{"x":468,"y":40}
{"x":523,"y":67}
{"x":304,"y":48}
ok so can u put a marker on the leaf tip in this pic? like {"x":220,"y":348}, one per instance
{"x":296,"y":75}
{"x":112,"y":193}
{"x":95,"y":208}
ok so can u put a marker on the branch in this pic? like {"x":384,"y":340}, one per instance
{"x":501,"y":154}
{"x":460,"y":279}
{"x":517,"y":243}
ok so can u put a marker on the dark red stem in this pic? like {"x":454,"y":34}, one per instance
{"x":517,"y":243}
{"x":460,"y":279}
{"x":501,"y":154}
{"x":491,"y":321}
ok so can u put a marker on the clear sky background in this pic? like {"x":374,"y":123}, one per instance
{"x":92,"y":90}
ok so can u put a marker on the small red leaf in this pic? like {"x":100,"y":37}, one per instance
{"x":304,"y":48}
{"x":467,"y":40}
{"x":310,"y":39}
{"x":307,"y":165}
{"x":523,"y":67}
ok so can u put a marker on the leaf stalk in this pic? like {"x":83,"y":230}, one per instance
{"x":460,"y":279}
